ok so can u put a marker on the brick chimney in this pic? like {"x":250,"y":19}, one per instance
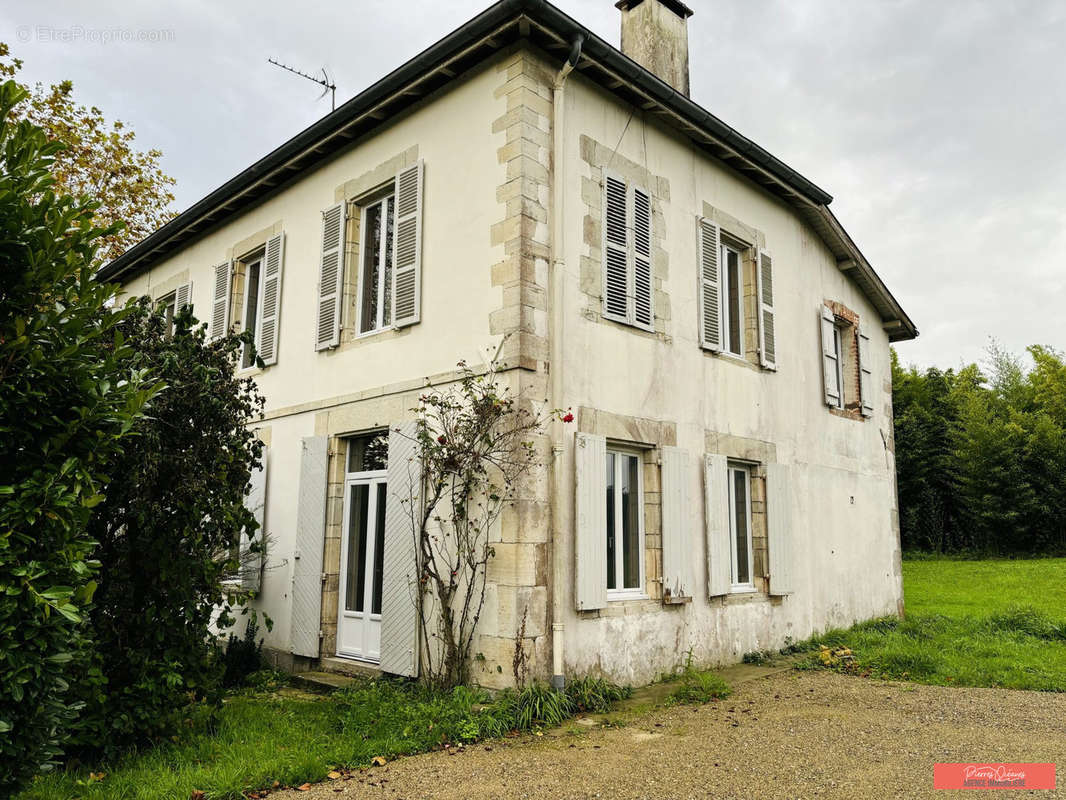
{"x":655,"y":35}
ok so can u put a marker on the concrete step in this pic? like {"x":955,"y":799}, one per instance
{"x":321,"y":682}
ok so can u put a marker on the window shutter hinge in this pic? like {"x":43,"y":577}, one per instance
{"x":323,"y":577}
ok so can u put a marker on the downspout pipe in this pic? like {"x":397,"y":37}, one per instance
{"x":556,"y":324}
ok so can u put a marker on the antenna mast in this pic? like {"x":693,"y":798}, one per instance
{"x":325,"y":81}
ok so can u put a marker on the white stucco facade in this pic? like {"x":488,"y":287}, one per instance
{"x":501,"y":181}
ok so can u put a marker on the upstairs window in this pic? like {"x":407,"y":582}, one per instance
{"x":375,"y":296}
{"x":252,"y":274}
{"x":846,"y":366}
{"x":732,"y":301}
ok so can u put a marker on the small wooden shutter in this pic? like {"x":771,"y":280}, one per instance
{"x":330,"y":277}
{"x":710,"y":287}
{"x":677,"y":546}
{"x":251,"y":570}
{"x":400,"y":586}
{"x":182,"y":297}
{"x":716,"y":506}
{"x":643,"y":293}
{"x":407,"y":248}
{"x":767,"y":338}
{"x":590,"y":461}
{"x":829,"y":358}
{"x":615,"y":250}
{"x":310,"y":538}
{"x":221,"y":300}
{"x":866,"y":382}
{"x":780,"y":535}
{"x":270,"y":304}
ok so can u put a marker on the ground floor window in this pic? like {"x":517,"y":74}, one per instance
{"x":625,"y":524}
{"x":740,"y":527}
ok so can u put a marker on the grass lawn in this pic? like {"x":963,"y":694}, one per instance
{"x":259,"y":737}
{"x":969,"y":623}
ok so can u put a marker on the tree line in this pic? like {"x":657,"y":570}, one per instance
{"x":981,"y":455}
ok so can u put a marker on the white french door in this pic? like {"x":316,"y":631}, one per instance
{"x":362,"y":543}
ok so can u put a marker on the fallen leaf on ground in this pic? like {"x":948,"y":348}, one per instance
{"x":333,"y":775}
{"x":196,"y":795}
{"x":377,"y":761}
{"x":304,"y":787}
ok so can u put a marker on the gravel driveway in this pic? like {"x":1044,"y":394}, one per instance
{"x":791,"y":735}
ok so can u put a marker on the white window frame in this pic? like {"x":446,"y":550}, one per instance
{"x":379,"y":323}
{"x":838,"y":348}
{"x":723,"y":297}
{"x":636,"y":592}
{"x":747,"y":470}
{"x":256,"y":257}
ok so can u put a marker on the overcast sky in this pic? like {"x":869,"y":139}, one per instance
{"x":939,"y":126}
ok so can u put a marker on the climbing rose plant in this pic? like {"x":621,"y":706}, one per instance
{"x":476,"y":440}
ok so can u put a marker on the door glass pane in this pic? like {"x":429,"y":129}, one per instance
{"x":355,"y":573}
{"x":371,"y":268}
{"x":733,"y":290}
{"x":611,"y":584}
{"x":631,"y":522}
{"x":379,"y":549}
{"x":740,"y":506}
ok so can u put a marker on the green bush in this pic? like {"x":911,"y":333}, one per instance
{"x":698,"y":686}
{"x":70,"y":398}
{"x":595,"y":695}
{"x":242,"y":656}
{"x":168,"y":536}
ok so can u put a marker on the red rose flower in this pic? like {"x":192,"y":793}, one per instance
{"x":568,"y":418}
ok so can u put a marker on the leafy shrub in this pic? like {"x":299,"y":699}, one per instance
{"x":698,"y":686}
{"x":242,"y":657}
{"x":69,"y":400}
{"x":168,"y":534}
{"x":595,"y":695}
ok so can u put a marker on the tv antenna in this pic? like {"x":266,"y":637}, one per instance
{"x":325,"y":81}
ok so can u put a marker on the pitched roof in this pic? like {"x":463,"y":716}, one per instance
{"x":502,"y":24}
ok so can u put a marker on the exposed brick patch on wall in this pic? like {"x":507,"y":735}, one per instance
{"x":852,"y":391}
{"x":597,"y":157}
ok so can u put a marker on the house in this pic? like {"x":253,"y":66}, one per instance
{"x":728,"y":483}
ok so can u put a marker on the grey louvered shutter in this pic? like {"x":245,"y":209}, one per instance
{"x":643,"y":290}
{"x":590,"y":461}
{"x":220,"y":300}
{"x":270,"y":304}
{"x":330,"y":278}
{"x":183,"y":297}
{"x":716,"y":508}
{"x":780,"y":535}
{"x":306,"y":619}
{"x":866,"y":377}
{"x":615,"y":251}
{"x":251,"y":570}
{"x":767,"y":334}
{"x":400,"y":585}
{"x":710,"y":305}
{"x":407,"y":247}
{"x":677,"y":544}
{"x":830,"y":358}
